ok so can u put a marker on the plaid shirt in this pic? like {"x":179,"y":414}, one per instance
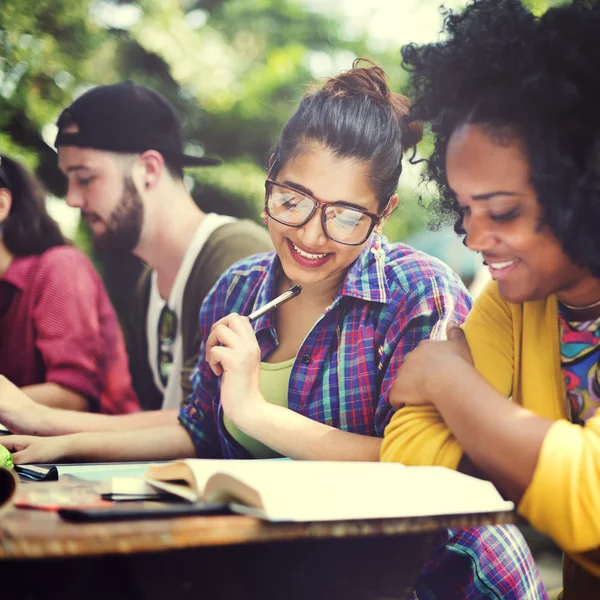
{"x":480,"y":562}
{"x":347,"y":363}
{"x":342,"y":377}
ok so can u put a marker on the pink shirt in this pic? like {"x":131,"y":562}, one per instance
{"x":58,"y":325}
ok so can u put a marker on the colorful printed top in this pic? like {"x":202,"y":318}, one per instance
{"x":580,"y":356}
{"x":345,"y":367}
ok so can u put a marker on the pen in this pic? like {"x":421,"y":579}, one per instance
{"x":269,"y":306}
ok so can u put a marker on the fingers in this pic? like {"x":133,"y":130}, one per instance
{"x":240,"y":325}
{"x":14,"y":443}
{"x":233,"y":332}
{"x":221,"y":336}
{"x":19,"y":446}
{"x":396,"y":398}
{"x":454,"y":332}
{"x":24,"y":457}
{"x":28,"y":449}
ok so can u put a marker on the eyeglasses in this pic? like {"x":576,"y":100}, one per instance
{"x":167,"y":332}
{"x":343,"y":223}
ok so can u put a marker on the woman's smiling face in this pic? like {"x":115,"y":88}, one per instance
{"x":503,"y":218}
{"x":307,"y":255}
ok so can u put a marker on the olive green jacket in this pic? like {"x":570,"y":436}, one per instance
{"x":226,"y":245}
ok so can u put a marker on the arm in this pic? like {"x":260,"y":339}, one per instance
{"x":301,"y":438}
{"x":417,"y":434}
{"x":56,"y":396}
{"x":67,"y":326}
{"x":158,"y":443}
{"x":501,"y":438}
{"x":233,"y":354}
{"x":549,"y":467}
{"x":22,"y":415}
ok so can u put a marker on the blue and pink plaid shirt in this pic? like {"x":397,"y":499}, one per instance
{"x":342,"y":377}
{"x":345,"y":367}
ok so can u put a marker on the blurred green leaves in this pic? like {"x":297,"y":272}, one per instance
{"x":234,"y":69}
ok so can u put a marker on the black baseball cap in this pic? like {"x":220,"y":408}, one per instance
{"x":126,"y":117}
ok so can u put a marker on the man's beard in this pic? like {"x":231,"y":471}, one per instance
{"x":124,"y":226}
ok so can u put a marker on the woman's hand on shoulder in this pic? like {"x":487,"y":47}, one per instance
{"x":232,"y":351}
{"x":430,"y":368}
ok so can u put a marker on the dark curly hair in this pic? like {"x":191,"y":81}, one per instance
{"x":535,"y":79}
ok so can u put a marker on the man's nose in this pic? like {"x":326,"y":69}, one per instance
{"x":73,"y":197}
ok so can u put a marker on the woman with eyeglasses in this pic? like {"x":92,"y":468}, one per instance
{"x":513,"y":100}
{"x":311,"y":379}
{"x":60,"y":338}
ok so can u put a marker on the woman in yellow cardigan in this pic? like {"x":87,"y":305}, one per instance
{"x":513,"y":104}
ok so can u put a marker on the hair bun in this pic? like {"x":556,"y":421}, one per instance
{"x":368,"y":81}
{"x":371,"y":81}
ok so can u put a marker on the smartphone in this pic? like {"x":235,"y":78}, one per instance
{"x":125,"y":511}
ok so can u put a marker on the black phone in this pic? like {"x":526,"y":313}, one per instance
{"x":125,"y":511}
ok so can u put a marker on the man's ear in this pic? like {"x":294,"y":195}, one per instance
{"x":154,"y":165}
{"x":5,"y":204}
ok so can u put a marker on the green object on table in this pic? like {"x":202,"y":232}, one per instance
{"x":6,"y":460}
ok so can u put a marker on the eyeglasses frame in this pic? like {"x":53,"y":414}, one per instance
{"x":375,"y":219}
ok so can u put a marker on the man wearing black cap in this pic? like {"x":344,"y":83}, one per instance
{"x":121,"y":150}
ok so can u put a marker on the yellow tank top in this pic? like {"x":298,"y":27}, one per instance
{"x":274,"y":383}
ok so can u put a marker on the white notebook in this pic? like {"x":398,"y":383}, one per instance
{"x":282,"y":490}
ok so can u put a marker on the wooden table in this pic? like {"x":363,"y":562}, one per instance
{"x":213,"y":557}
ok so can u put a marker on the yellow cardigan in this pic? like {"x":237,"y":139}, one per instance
{"x":516,"y":347}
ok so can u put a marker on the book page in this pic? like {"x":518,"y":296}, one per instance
{"x":323,"y":491}
{"x":127,"y":488}
{"x":194,"y":471}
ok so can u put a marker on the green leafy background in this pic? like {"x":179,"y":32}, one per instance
{"x":234,"y":69}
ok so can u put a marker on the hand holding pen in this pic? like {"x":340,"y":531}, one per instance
{"x":232,"y":352}
{"x":232,"y":336}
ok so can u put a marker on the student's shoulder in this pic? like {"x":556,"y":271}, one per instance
{"x":247,"y":271}
{"x":65,"y":261}
{"x":242,"y":232}
{"x":239,"y":284}
{"x":413,"y":270}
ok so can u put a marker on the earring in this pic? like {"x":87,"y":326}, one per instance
{"x":379,"y":253}
{"x":263,"y":216}
{"x":377,"y":248}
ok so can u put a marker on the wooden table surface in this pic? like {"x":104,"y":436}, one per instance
{"x":30,"y":533}
{"x":217,"y":556}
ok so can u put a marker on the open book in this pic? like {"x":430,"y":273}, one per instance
{"x":282,"y":490}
